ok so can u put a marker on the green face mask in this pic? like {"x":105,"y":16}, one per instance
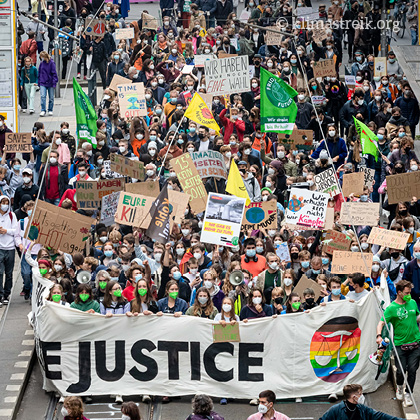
{"x":43,"y":271}
{"x":142,"y":292}
{"x":173,"y":295}
{"x":102,"y":284}
{"x":296,"y":305}
{"x":407,"y":298}
{"x":84,"y":297}
{"x":56,"y":298}
{"x":118,"y":293}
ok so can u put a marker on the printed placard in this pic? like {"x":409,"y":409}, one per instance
{"x":350,"y":80}
{"x":18,"y":143}
{"x":109,"y":208}
{"x":345,"y":262}
{"x":95,"y":27}
{"x":390,"y":238}
{"x":226,"y":334}
{"x":380,"y":67}
{"x":210,"y":164}
{"x":307,"y":208}
{"x":124,"y":33}
{"x":282,"y":251}
{"x":369,"y":176}
{"x":126,"y":166}
{"x":227,"y":75}
{"x":326,"y":182}
{"x":358,"y":213}
{"x":336,"y":241}
{"x":353,"y":183}
{"x":131,"y":100}
{"x":403,"y":187}
{"x":261,"y":215}
{"x":324,"y":68}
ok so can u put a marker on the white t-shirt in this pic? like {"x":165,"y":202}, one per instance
{"x":218,"y":318}
{"x":357,"y":296}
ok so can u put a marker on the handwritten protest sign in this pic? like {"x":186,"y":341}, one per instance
{"x":369,"y":176}
{"x":305,"y":283}
{"x":299,"y":139}
{"x":350,"y":81}
{"x":226,"y":334}
{"x":222,"y":221}
{"x":58,"y":228}
{"x":222,"y":54}
{"x":326,"y":182}
{"x":210,"y":164}
{"x":18,"y":142}
{"x":324,"y":68}
{"x":150,"y":188}
{"x":190,"y":181}
{"x":273,"y":38}
{"x":133,"y":210}
{"x":389,"y":238}
{"x":124,"y":33}
{"x":307,"y":208}
{"x":380,"y":67}
{"x":131,"y":100}
{"x":110,"y":174}
{"x":282,"y":251}
{"x":227,"y":75}
{"x":359,"y":214}
{"x":199,"y":60}
{"x":149,"y":21}
{"x":109,"y":207}
{"x":89,"y":193}
{"x":336,"y":241}
{"x":118,"y":80}
{"x":261,"y":215}
{"x":318,"y":100}
{"x":95,"y":27}
{"x":319,"y":34}
{"x":353,"y":183}
{"x":403,"y":187}
{"x":346,"y":262}
{"x":126,"y":166}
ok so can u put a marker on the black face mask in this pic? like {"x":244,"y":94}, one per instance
{"x":294,"y":255}
{"x":278,"y":300}
{"x":201,"y":136}
{"x":403,"y":212}
{"x":310,"y":301}
{"x":395,"y":255}
{"x":399,"y":170}
{"x":324,"y":161}
{"x":242,"y":170}
{"x":407,"y":150}
{"x":226,"y":42}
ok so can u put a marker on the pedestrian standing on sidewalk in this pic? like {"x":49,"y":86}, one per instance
{"x":403,"y":314}
{"x":47,"y":80}
{"x":266,"y":401}
{"x":29,"y":82}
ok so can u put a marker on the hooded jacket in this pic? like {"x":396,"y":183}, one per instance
{"x":9,"y":222}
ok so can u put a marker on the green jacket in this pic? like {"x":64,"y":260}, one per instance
{"x":190,"y":311}
{"x":85,"y":306}
{"x":29,"y":75}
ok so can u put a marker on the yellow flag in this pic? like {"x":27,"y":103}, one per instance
{"x":235,"y":183}
{"x":199,"y":112}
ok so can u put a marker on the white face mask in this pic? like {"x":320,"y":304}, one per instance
{"x":197,"y":255}
{"x":301,"y":97}
{"x":58,"y":141}
{"x":256,"y":300}
{"x":378,"y":98}
{"x":354,"y":249}
{"x":288,"y":282}
{"x":264,"y":198}
{"x":364,"y":245}
{"x":203,"y":300}
{"x":158,"y":256}
{"x":331,"y":133}
{"x":262,"y":408}
{"x":226,"y":307}
{"x":82,"y":173}
{"x":360,"y":101}
{"x":64,"y":412}
{"x":375,"y":268}
{"x":122,"y":149}
{"x":101,"y":143}
{"x":208,"y":284}
{"x":152,"y":152}
{"x":26,"y":179}
{"x":148,"y":96}
{"x":255,"y":85}
{"x":190,"y":150}
{"x":58,"y":267}
{"x":228,"y":155}
{"x":274,"y":266}
{"x":150,"y":172}
{"x":185,"y":232}
{"x":280,"y":155}
{"x":271,"y":171}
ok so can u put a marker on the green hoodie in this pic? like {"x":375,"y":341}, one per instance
{"x":85,"y":306}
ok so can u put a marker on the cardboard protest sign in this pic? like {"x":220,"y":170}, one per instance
{"x":336,"y":241}
{"x":389,"y":238}
{"x":149,"y":21}
{"x":380,"y":67}
{"x":210,"y":164}
{"x":199,"y":60}
{"x":58,"y":228}
{"x":18,"y":142}
{"x":282,"y":251}
{"x":179,"y":202}
{"x":109,"y":207}
{"x":89,"y":193}
{"x":307,"y":208}
{"x":305,"y":283}
{"x":133,"y":210}
{"x":326,"y":182}
{"x":347,"y":262}
{"x":222,"y":221}
{"x":131,"y":100}
{"x":403,"y":187}
{"x":324,"y":68}
{"x":369,"y":176}
{"x":261,"y":215}
{"x":319,"y":34}
{"x":118,"y":80}
{"x":273,"y":38}
{"x":150,"y":188}
{"x":126,"y":166}
{"x":329,"y":219}
{"x":222,"y":54}
{"x":95,"y":27}
{"x":227,"y":75}
{"x":109,"y":174}
{"x":124,"y":33}
{"x":359,"y":213}
{"x":299,"y":139}
{"x":353,"y":183}
{"x":190,"y":181}
{"x":227,"y":334}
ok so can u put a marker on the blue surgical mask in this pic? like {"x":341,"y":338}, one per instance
{"x":29,"y":212}
{"x":138,"y":277}
{"x":192,"y":129}
{"x":159,"y":111}
{"x":402,"y":134}
{"x":16,"y":167}
{"x":108,"y":254}
{"x":325,"y":261}
{"x":358,"y":58}
{"x":336,"y":292}
{"x":152,"y":138}
{"x":316,"y":271}
{"x":176,"y":275}
{"x":304,"y":264}
{"x":364,"y":197}
{"x":380,"y":136}
{"x":250,"y":253}
{"x":417,"y":255}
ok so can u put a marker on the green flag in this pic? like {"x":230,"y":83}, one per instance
{"x":278,"y":109}
{"x":85,"y":115}
{"x":367,"y":138}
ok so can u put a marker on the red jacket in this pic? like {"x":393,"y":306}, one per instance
{"x":229,"y":125}
{"x":30,"y":48}
{"x":69,"y":194}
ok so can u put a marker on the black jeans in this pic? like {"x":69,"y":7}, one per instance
{"x":7,"y":263}
{"x":102,"y":71}
{"x":410,"y":362}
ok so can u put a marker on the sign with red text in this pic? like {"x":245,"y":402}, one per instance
{"x":307,"y":208}
{"x":90,"y":193}
{"x":347,"y":262}
{"x":260,"y":215}
{"x":210,"y":164}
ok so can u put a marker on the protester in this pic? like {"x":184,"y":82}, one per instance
{"x":266,"y":401}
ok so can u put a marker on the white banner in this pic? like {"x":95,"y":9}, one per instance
{"x":295,"y":355}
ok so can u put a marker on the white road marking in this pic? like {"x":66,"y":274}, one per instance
{"x":17,"y":377}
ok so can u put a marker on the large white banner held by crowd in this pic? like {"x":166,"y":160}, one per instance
{"x":295,"y":355}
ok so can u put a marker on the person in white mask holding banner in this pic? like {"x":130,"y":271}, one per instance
{"x":266,"y":401}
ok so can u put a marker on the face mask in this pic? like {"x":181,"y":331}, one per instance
{"x":150,"y":172}
{"x":82,"y":173}
{"x":102,"y":285}
{"x":280,"y":155}
{"x":4,"y":207}
{"x":395,"y":255}
{"x":331,"y":133}
{"x":262,"y":408}
{"x":260,"y":249}
{"x":180,"y":251}
{"x":417,"y":255}
{"x":226,"y":307}
{"x":256,"y":300}
{"x":287,"y":282}
{"x":173,"y":295}
{"x":304,"y":264}
{"x":363,"y":197}
{"x":118,"y":293}
{"x":255,"y":85}
{"x":232,"y":143}
{"x":108,"y":254}
{"x":364,"y":246}
{"x":84,"y":297}
{"x":16,"y":167}
{"x":250,"y":253}
{"x":354,"y":249}
{"x":174,"y":51}
{"x":271,"y":171}
{"x":392,"y":60}
{"x":360,"y":102}
{"x":176,"y":275}
{"x":26,"y":180}
{"x":384,"y":82}
{"x":142,"y":292}
{"x":64,"y":412}
{"x":407,"y":298}
{"x":274,"y":266}
{"x":296,"y":306}
{"x":337,"y":292}
{"x":270,"y":64}
{"x":56,"y":298}
{"x":301,"y":97}
{"x":138,"y":277}
{"x":203,"y":300}
{"x":400,"y":135}
{"x":158,"y":256}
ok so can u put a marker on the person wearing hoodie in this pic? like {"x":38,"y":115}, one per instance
{"x":409,"y":107}
{"x":323,"y":162}
{"x":9,"y":238}
{"x":396,"y":120}
{"x":47,"y":79}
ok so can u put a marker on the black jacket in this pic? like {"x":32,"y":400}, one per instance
{"x":63,"y":180}
{"x":98,"y":52}
{"x":20,"y":191}
{"x":223,"y":11}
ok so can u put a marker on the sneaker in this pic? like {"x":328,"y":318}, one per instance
{"x":223,"y":401}
{"x":146,"y":398}
{"x":78,"y":76}
{"x":118,"y":399}
{"x":400,"y":392}
{"x":50,"y":113}
{"x":42,"y":114}
{"x":5,"y":301}
{"x":298,"y":400}
{"x":254,"y":401}
{"x":24,"y":111}
{"x":166,"y":400}
{"x":408,"y":400}
{"x":1,"y":304}
{"x":22,"y":293}
{"x":31,"y":111}
{"x":332,"y":398}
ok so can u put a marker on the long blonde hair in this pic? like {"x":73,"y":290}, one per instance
{"x":44,"y":54}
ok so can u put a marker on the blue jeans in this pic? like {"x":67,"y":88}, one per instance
{"x":26,"y":271}
{"x":55,"y":201}
{"x":414,"y":35}
{"x":7,"y":262}
{"x":44,"y":91}
{"x":375,"y":194}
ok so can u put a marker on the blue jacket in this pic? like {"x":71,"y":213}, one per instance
{"x":409,"y":109}
{"x":207,"y":6}
{"x":391,"y":286}
{"x":336,"y":149}
{"x":180,"y":305}
{"x":338,"y":412}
